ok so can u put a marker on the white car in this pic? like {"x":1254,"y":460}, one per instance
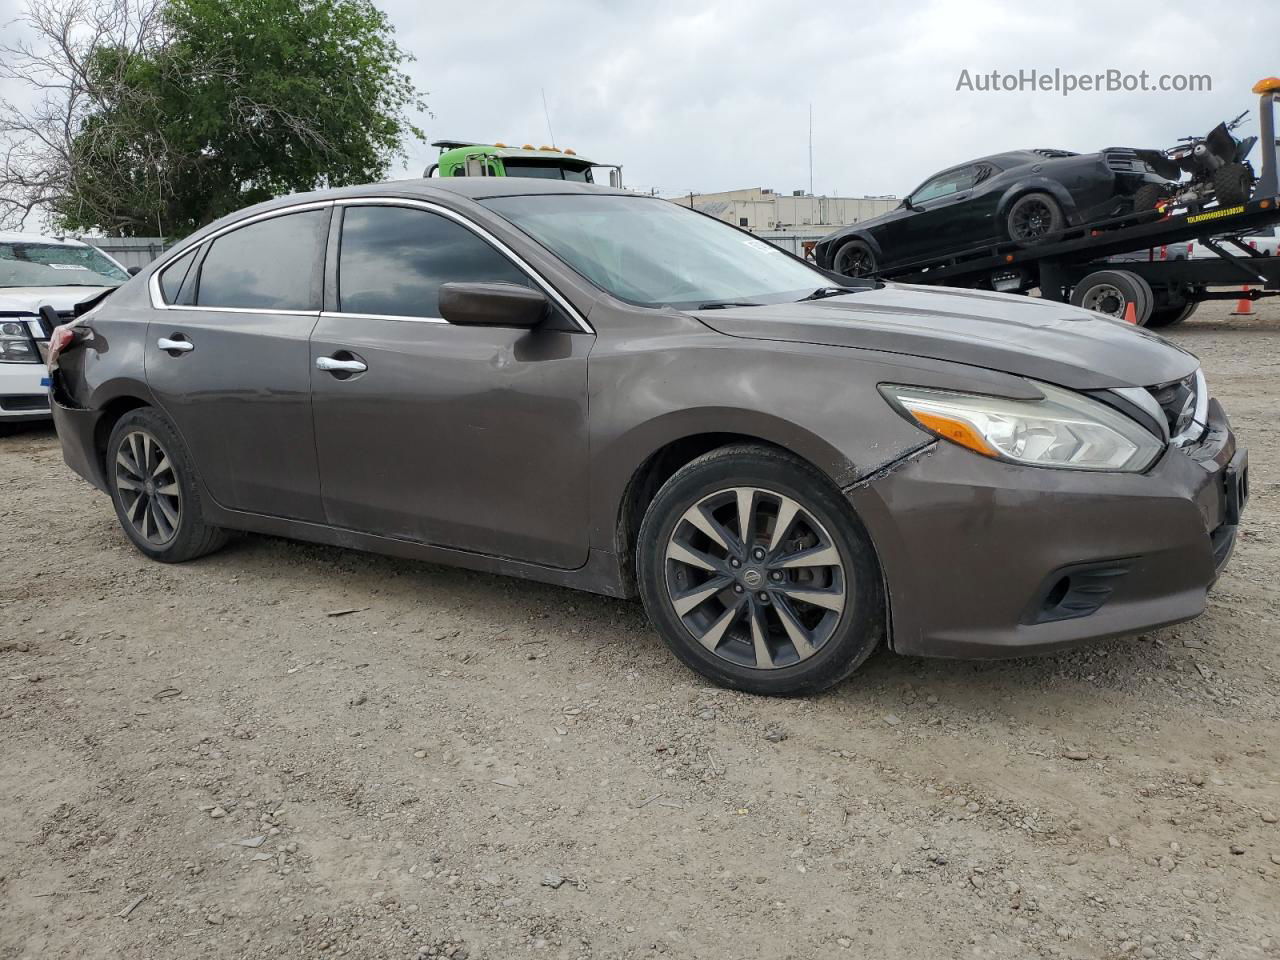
{"x":38,"y":271}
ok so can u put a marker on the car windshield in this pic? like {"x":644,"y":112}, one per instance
{"x":34,"y":264}
{"x":546,"y":170}
{"x":655,"y":253}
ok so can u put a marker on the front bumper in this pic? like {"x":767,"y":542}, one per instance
{"x":23,"y":392}
{"x":988,"y":559}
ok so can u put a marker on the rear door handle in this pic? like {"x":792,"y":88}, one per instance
{"x":176,"y":346}
{"x":332,"y":365}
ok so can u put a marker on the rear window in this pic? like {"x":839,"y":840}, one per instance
{"x":174,"y":277}
{"x":272,"y":264}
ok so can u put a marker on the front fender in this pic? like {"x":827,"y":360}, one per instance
{"x":825,"y":252}
{"x":644,"y":396}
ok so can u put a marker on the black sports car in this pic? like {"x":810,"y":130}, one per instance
{"x":1025,"y":195}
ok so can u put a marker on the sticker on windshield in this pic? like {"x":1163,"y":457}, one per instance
{"x":67,"y":266}
{"x":753,"y":244}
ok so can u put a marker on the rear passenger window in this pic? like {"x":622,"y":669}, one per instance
{"x":269,"y":265}
{"x":393,"y":260}
{"x":174,"y":276}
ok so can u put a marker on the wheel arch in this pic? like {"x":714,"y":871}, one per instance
{"x":1018,"y":190}
{"x":667,"y":452}
{"x":111,"y":412}
{"x":862,"y":235}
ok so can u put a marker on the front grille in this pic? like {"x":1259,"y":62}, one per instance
{"x":1178,"y":402}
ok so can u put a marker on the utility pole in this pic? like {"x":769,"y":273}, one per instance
{"x":811,"y":149}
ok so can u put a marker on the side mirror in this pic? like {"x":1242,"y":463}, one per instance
{"x":615,"y":179}
{"x":906,"y":204}
{"x":492,"y":305}
{"x":134,"y":271}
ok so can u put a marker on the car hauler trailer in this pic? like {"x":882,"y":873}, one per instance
{"x":1074,"y":265}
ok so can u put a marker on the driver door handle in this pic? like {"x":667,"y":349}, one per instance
{"x":177,"y":346}
{"x":331,"y":365}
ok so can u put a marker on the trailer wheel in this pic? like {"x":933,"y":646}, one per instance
{"x":855,"y":259}
{"x":1147,"y":196}
{"x":1232,"y":184}
{"x":1034,"y":218}
{"x":1170,"y":316}
{"x":1110,"y":292}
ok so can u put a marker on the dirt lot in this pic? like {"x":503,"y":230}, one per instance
{"x":198,"y":761}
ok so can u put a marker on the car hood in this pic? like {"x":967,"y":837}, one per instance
{"x":31,"y":299}
{"x":1028,"y":337}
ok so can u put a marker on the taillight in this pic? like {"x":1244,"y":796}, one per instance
{"x":61,"y":338}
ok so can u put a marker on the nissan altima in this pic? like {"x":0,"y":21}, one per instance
{"x":605,"y":391}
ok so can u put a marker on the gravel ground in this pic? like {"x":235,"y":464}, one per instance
{"x":201,"y":761}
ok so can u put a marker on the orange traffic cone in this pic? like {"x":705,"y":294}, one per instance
{"x":1244,"y":306}
{"x":1130,"y":315}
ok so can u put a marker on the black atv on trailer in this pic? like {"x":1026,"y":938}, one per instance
{"x":1073,"y":265}
{"x":1217,"y":163}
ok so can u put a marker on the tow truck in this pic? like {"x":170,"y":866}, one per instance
{"x":1075,"y":266}
{"x":463,"y":158}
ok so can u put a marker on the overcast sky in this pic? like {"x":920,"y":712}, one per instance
{"x":715,"y":95}
{"x":704,"y":96}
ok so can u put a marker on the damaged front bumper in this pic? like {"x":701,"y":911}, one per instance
{"x":983,"y":558}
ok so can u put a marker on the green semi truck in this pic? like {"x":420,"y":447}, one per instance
{"x":460,"y":158}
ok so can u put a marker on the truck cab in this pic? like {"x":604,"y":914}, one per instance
{"x":462,"y":159}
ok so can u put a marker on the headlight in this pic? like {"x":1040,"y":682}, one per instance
{"x":1065,"y":429}
{"x":16,"y":345}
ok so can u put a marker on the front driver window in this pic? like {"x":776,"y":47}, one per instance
{"x":953,"y":181}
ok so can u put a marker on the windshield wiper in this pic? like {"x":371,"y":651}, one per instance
{"x":823,"y":292}
{"x":722,"y":304}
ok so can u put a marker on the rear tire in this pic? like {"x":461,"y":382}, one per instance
{"x":732,"y":607}
{"x":1171,"y":316}
{"x":155,"y":489}
{"x":1109,"y":292}
{"x":1232,"y":184}
{"x":855,"y":259}
{"x":1034,"y":218}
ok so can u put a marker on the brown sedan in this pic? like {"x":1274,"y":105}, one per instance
{"x":613,"y":393}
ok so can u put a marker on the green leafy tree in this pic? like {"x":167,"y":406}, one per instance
{"x":180,"y":111}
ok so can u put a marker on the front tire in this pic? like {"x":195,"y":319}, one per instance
{"x":154,"y":488}
{"x":1147,"y":197}
{"x":855,"y":259}
{"x":758,"y":575}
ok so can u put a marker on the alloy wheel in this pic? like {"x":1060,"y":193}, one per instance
{"x":1105,"y":298}
{"x":149,"y":491}
{"x":855,"y":263}
{"x":755,"y":577}
{"x":1032,"y":221}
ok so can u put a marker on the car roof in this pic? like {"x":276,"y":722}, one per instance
{"x":440,"y":189}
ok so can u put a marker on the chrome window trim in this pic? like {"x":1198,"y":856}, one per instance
{"x":153,"y":282}
{"x":475,"y":228}
{"x":338,"y":315}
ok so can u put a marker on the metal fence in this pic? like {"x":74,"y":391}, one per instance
{"x":792,"y":241}
{"x":130,"y":251}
